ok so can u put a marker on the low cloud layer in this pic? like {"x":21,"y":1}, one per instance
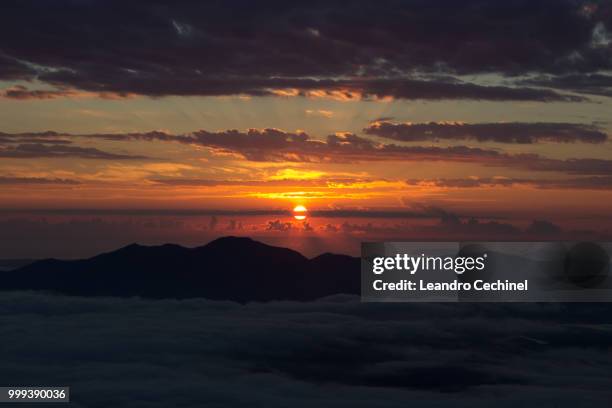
{"x":335,"y":352}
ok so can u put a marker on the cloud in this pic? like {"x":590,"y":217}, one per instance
{"x":36,"y":180}
{"x":278,"y":225}
{"x":471,"y":182}
{"x":12,"y":69}
{"x":594,"y":84}
{"x":65,"y":234}
{"x":451,"y":226}
{"x":410,"y":89}
{"x":335,"y":352}
{"x":447,"y":225}
{"x":321,"y":182}
{"x":319,"y":112}
{"x":276,"y":145}
{"x":330,"y":228}
{"x":571,"y":166}
{"x":212,"y":224}
{"x":22,"y":93}
{"x":52,"y":145}
{"x":40,"y":150}
{"x":416,"y":211}
{"x":543,"y":228}
{"x":586,"y":183}
{"x":400,"y":88}
{"x":26,"y":234}
{"x":48,"y":137}
{"x":513,"y":132}
{"x":338,"y":89}
{"x":234,"y":225}
{"x":389,"y":49}
{"x":474,"y":227}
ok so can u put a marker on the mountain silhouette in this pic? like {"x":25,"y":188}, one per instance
{"x":229,"y":268}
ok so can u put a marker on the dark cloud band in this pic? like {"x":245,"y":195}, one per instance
{"x":39,"y":150}
{"x":36,"y":180}
{"x":513,"y":132}
{"x":582,"y":183}
{"x":410,"y":49}
{"x":275,"y":145}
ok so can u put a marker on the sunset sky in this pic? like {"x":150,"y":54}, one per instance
{"x":135,"y":121}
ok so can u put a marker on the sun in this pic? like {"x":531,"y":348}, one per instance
{"x":299,"y":212}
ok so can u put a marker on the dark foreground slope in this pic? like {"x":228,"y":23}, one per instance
{"x":230,"y":268}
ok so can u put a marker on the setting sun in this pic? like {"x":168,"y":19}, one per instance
{"x":299,"y":212}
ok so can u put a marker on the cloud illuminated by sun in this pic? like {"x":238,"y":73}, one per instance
{"x":297,"y":174}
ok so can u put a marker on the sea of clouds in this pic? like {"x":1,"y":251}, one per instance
{"x":335,"y":352}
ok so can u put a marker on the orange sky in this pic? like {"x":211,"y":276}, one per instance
{"x":144,"y":174}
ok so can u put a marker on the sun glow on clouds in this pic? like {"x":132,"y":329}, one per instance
{"x":342,"y":95}
{"x":321,"y":196}
{"x":319,"y":112}
{"x":297,"y":174}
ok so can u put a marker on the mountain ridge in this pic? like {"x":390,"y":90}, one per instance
{"x":229,"y":268}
